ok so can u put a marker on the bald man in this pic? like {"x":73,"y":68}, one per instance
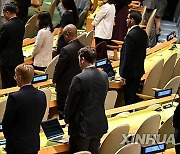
{"x":24,"y":112}
{"x":67,"y":66}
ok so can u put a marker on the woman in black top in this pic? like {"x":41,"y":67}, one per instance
{"x":70,"y":16}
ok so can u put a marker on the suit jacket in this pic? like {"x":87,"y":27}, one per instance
{"x":42,"y":51}
{"x":67,"y":66}
{"x":104,"y":20}
{"x":133,"y":53}
{"x":84,"y":108}
{"x":11,"y":38}
{"x":176,"y":119}
{"x":21,"y":122}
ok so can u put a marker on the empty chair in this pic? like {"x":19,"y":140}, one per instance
{"x":150,"y":22}
{"x":89,"y":38}
{"x":167,"y":71}
{"x":152,"y":79}
{"x":143,"y":15}
{"x":101,"y":50}
{"x":30,"y":27}
{"x":110,"y":99}
{"x":166,"y":129}
{"x":149,"y":127}
{"x":82,"y":38}
{"x":176,"y":71}
{"x":50,"y":68}
{"x":174,"y":84}
{"x":2,"y":109}
{"x":52,"y":8}
{"x":48,"y":100}
{"x":112,"y":142}
{"x":133,"y":148}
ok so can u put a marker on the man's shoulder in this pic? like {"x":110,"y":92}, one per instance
{"x":75,"y":45}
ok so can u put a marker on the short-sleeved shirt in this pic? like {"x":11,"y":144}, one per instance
{"x":67,"y":18}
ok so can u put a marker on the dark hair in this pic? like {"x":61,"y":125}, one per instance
{"x":10,"y":7}
{"x":45,"y":20}
{"x":111,"y":1}
{"x":88,"y":53}
{"x":70,"y":5}
{"x":136,"y":16}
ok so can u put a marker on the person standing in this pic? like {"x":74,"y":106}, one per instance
{"x":23,"y":7}
{"x":24,"y":112}
{"x":104,"y":21}
{"x":67,"y":66}
{"x":133,"y":53}
{"x":2,"y":3}
{"x":84,"y":108}
{"x":11,"y":38}
{"x":42,"y":51}
{"x":70,"y":16}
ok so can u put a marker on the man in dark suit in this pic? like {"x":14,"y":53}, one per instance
{"x":67,"y":66}
{"x":84,"y":108}
{"x":133,"y":53}
{"x":11,"y":38}
{"x":24,"y":112}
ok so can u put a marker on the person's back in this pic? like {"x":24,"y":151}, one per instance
{"x":11,"y":45}
{"x":24,"y":112}
{"x":84,"y":108}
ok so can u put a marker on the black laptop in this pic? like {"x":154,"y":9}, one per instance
{"x":52,"y":130}
{"x":106,"y":66}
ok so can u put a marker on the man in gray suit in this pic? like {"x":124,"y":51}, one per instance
{"x":84,"y":108}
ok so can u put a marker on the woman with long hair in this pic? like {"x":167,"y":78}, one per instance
{"x":70,"y":16}
{"x":42,"y":51}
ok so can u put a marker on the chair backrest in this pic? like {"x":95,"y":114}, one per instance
{"x":82,"y":38}
{"x":176,"y":71}
{"x":48,"y":99}
{"x":152,"y":79}
{"x":174,"y":84}
{"x":30,"y":27}
{"x":143,"y":15}
{"x":112,"y":142}
{"x":149,"y":127}
{"x":52,"y":8}
{"x":167,"y":71}
{"x":133,"y":148}
{"x":150,"y":22}
{"x":83,"y":152}
{"x":110,"y":99}
{"x":89,"y":38}
{"x":166,"y":129}
{"x":50,"y":68}
{"x":2,"y":109}
{"x":101,"y":50}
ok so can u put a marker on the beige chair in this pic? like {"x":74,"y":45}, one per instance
{"x":83,"y":152}
{"x":2,"y":109}
{"x":112,"y":142}
{"x":110,"y":99}
{"x":152,"y":79}
{"x":143,"y":15}
{"x":89,"y":38}
{"x":50,"y":68}
{"x":167,"y":71}
{"x":48,"y":99}
{"x":52,"y":8}
{"x":133,"y":148}
{"x":174,"y":84}
{"x":176,"y":71}
{"x":166,"y":129}
{"x":150,"y":22}
{"x":149,"y":127}
{"x":30,"y":27}
{"x":82,"y":38}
